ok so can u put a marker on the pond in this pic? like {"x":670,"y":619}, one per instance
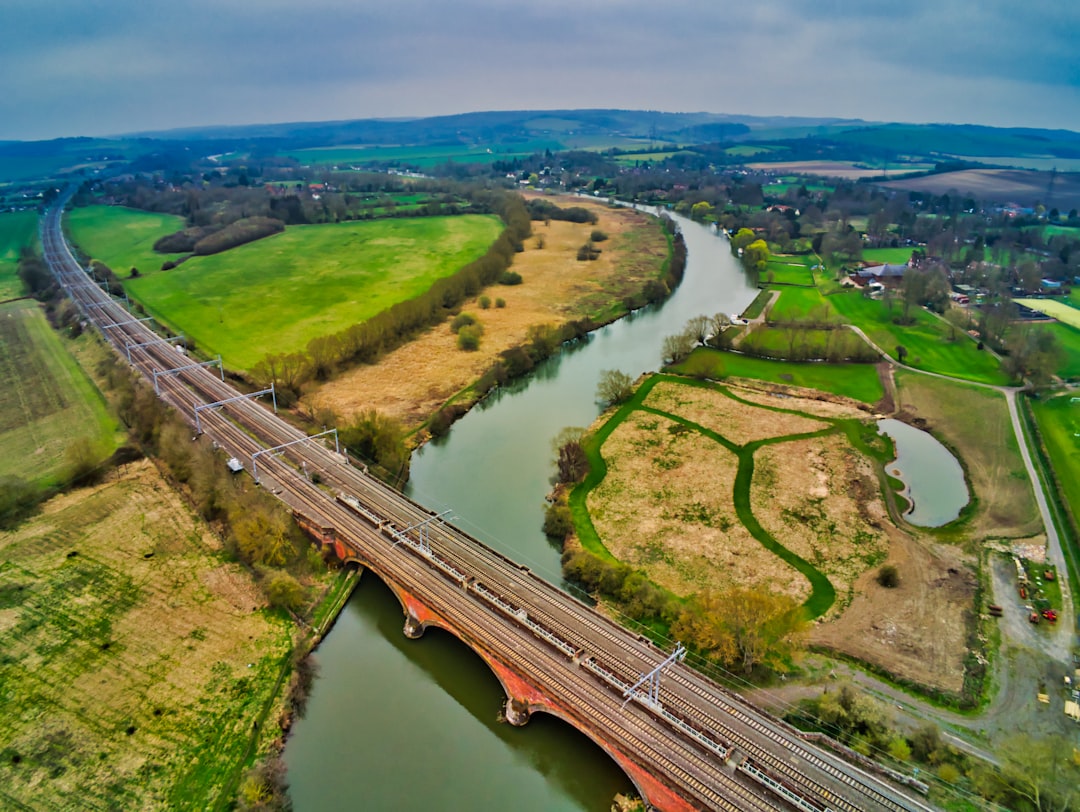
{"x":933,"y":477}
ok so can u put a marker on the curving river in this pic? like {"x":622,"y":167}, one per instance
{"x":399,"y":724}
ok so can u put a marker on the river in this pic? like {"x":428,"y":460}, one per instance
{"x":399,"y":724}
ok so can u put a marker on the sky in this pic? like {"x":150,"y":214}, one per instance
{"x":104,"y":67}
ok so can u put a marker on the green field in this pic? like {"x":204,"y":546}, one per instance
{"x":17,"y":229}
{"x":927,"y":340}
{"x":857,"y":381}
{"x":121,"y":238}
{"x":135,"y":662}
{"x":1069,"y":338}
{"x":276,"y":294}
{"x":890,"y":256}
{"x":652,"y":157}
{"x":802,"y":304}
{"x":46,"y":400}
{"x":420,"y":155}
{"x":790,"y":270}
{"x":1055,"y":309}
{"x":1059,"y":423}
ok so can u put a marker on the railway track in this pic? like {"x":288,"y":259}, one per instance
{"x":718,"y":752}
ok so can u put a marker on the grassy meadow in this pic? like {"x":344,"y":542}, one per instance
{"x":431,"y":155}
{"x":276,"y":294}
{"x":927,"y":341}
{"x":121,"y":238}
{"x":46,"y":400}
{"x":136,"y":659}
{"x":975,"y":423}
{"x":890,"y":256}
{"x":17,"y":229}
{"x":1059,"y":423}
{"x":790,"y":270}
{"x":857,"y":381}
{"x":802,"y":304}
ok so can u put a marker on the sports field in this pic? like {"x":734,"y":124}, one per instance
{"x":276,"y":294}
{"x":802,"y":304}
{"x":790,"y":270}
{"x":926,"y":341}
{"x":1054,"y":309}
{"x":17,"y":229}
{"x":858,"y":381}
{"x":121,"y":238}
{"x":46,"y":400}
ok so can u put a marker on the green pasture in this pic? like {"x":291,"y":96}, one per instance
{"x":887,"y":256}
{"x":857,"y":381}
{"x":927,"y":340}
{"x":1059,"y":423}
{"x":788,"y":271}
{"x":749,"y":150}
{"x":1055,"y":309}
{"x":423,"y":156}
{"x":801,"y":304}
{"x":121,"y":238}
{"x":276,"y":294}
{"x":46,"y":400}
{"x":17,"y":229}
{"x":652,"y":157}
{"x":1069,"y":338}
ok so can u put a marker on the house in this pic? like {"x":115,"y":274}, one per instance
{"x":883,"y":274}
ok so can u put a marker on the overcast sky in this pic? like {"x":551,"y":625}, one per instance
{"x":99,"y":67}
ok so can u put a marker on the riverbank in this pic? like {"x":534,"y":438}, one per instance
{"x":415,"y":381}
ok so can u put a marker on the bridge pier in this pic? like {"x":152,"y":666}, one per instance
{"x":414,"y":627}
{"x":516,"y":712}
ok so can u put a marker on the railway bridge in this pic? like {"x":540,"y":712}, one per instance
{"x":685,"y":742}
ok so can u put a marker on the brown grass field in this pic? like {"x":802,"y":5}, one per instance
{"x":1022,"y":186}
{"x":828,"y":169}
{"x":666,"y":507}
{"x":820,"y":498}
{"x":417,"y":379}
{"x":134,"y":658}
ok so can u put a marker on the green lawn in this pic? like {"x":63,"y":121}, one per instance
{"x":121,"y":238}
{"x":858,"y":381}
{"x":1069,"y":338}
{"x":17,"y":229}
{"x":46,"y":400}
{"x":1059,"y":424}
{"x":276,"y":294}
{"x":786,"y":270}
{"x":927,"y":340}
{"x":801,"y":304}
{"x":890,"y":256}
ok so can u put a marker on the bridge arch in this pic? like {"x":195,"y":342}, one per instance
{"x":523,"y":699}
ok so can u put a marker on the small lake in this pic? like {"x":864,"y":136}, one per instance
{"x":934,"y":478}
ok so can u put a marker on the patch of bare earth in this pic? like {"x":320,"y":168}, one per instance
{"x":665,"y":506}
{"x":136,"y":658}
{"x":809,"y":401}
{"x":829,"y":169}
{"x":415,"y":380}
{"x":733,"y":420}
{"x":820,"y":499}
{"x":917,"y":630}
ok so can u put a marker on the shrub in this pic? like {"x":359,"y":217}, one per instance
{"x":888,"y":577}
{"x":588,"y":252}
{"x":500,"y":303}
{"x":242,"y":231}
{"x":462,"y":320}
{"x":510,"y":278}
{"x":484,"y":302}
{"x":468,"y":338}
{"x":598,"y":235}
{"x":557,"y":521}
{"x":284,"y":592}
